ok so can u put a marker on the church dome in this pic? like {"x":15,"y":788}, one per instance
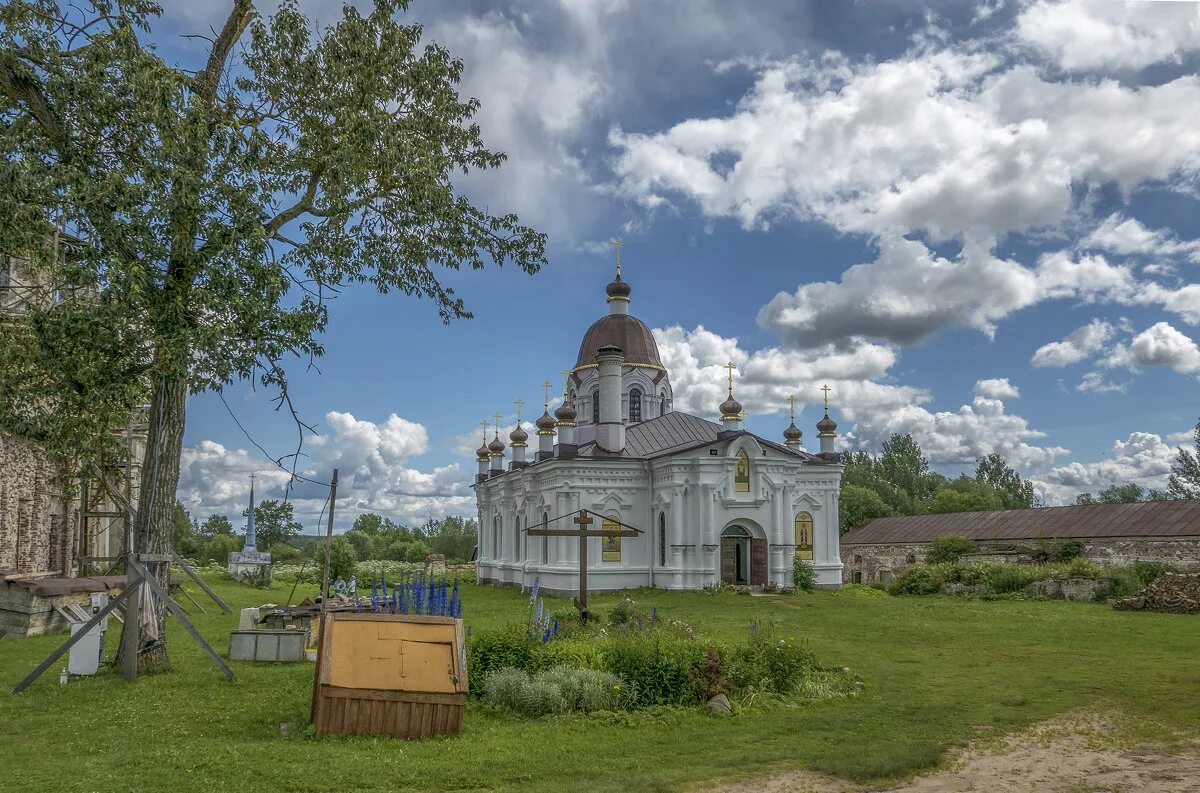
{"x":792,"y":433}
{"x":496,"y":447}
{"x":731,"y":407}
{"x":546,"y":422}
{"x":826,"y":426}
{"x":482,"y":452}
{"x":619,"y":330}
{"x":565,"y":412}
{"x":518,"y":435}
{"x":618,"y":288}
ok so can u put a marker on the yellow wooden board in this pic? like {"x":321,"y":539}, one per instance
{"x":390,"y":654}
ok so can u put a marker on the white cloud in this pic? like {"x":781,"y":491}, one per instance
{"x":997,"y":388}
{"x":1128,"y":236}
{"x":1160,"y":345}
{"x":374,"y":475}
{"x":1094,"y":383}
{"x":1143,"y":458}
{"x":1108,"y":34}
{"x":1075,"y":347}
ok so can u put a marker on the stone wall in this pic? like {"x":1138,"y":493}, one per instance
{"x":863,"y":563}
{"x":37,"y":522}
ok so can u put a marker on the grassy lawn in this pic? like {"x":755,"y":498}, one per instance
{"x":939,"y":671}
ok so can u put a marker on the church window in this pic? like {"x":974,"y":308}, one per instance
{"x":804,"y":536}
{"x":596,"y":406}
{"x":856,"y":577}
{"x":611,"y":544}
{"x":495,"y":549}
{"x":662,"y":404}
{"x":741,"y":474}
{"x":635,"y":406}
{"x":662,"y":539}
{"x":517,"y":539}
{"x":545,"y":540}
{"x":858,"y":558}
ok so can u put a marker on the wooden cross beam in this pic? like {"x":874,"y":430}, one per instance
{"x":583,"y":520}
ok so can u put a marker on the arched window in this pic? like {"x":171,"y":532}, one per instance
{"x":858,"y":558}
{"x":662,"y":404}
{"x":516,"y":551}
{"x":741,"y":474}
{"x":495,"y":549}
{"x":545,"y":540}
{"x":804,"y":536}
{"x":635,"y":406}
{"x":911,"y":559}
{"x":662,"y":539}
{"x":596,"y":406}
{"x":610,"y":545}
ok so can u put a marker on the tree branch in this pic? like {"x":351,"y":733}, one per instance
{"x":235,"y":25}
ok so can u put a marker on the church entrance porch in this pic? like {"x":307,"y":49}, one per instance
{"x":743,"y":557}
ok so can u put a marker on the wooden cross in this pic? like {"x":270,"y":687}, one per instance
{"x":826,"y":389}
{"x":583,"y":520}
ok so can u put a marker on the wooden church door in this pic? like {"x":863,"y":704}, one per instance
{"x":758,"y":562}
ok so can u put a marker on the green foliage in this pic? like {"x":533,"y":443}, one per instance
{"x":1055,"y":551}
{"x":709,"y":677}
{"x":273,"y":523}
{"x":493,"y":650}
{"x":656,"y":666}
{"x":1012,"y":490}
{"x":948,"y":548}
{"x":858,"y":506}
{"x":452,"y":537}
{"x":1131,"y":579}
{"x":963,"y":495}
{"x":341,"y":559}
{"x":1184,"y":481}
{"x":1130,"y":493}
{"x":905,"y":466}
{"x":214,"y":525}
{"x":804,"y":575}
{"x":769,"y":661}
{"x":218,"y":548}
{"x":1000,"y":578}
{"x":552,"y":692}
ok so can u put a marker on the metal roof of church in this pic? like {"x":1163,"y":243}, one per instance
{"x":624,"y":331}
{"x":1179,"y":518}
{"x":677,"y":432}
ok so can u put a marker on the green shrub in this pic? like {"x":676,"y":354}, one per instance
{"x":341,"y":559}
{"x":769,"y":662}
{"x":655,"y":666}
{"x":917,"y":580}
{"x":552,"y":692}
{"x":804,"y":576}
{"x":489,"y":651}
{"x":1131,"y":579}
{"x":948,"y":548}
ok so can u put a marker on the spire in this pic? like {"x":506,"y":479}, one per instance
{"x":731,"y":409}
{"x":251,"y":539}
{"x":618,"y":291}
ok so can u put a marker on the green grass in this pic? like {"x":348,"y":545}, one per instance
{"x":938,"y":671}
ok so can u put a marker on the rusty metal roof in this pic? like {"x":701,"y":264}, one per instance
{"x":1179,"y":518}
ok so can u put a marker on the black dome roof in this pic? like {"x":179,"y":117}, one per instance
{"x":619,"y":330}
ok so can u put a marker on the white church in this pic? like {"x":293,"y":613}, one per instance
{"x":712,"y":502}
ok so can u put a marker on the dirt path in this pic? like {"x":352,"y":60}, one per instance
{"x":1055,"y":756}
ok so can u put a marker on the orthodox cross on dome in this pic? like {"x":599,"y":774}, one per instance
{"x":546,"y":388}
{"x":566,"y":382}
{"x":617,"y":243}
{"x":484,"y":423}
{"x":826,"y":389}
{"x":519,"y":403}
{"x":742,"y":418}
{"x":792,"y":407}
{"x":496,"y":416}
{"x":730,"y":367}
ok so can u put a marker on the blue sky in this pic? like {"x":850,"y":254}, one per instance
{"x":976,"y":222}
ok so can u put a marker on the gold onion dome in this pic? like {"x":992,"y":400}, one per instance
{"x":545,"y":423}
{"x":731,"y":408}
{"x":482,"y":452}
{"x":518,"y":436}
{"x":793,"y":433}
{"x":496,"y":447}
{"x":826,"y":426}
{"x":565,"y":412}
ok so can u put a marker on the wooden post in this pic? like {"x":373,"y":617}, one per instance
{"x":133,"y":614}
{"x":324,"y":597}
{"x":583,"y":521}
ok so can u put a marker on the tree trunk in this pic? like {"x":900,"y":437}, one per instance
{"x":155,"y":513}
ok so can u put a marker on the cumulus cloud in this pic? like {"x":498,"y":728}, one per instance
{"x":997,"y":388}
{"x":1080,"y":344}
{"x":1159,"y":345}
{"x":1128,"y":236}
{"x":1095,"y":383}
{"x":1142,"y":458}
{"x":1102,"y":34}
{"x":375,"y":475}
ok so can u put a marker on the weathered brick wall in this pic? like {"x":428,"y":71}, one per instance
{"x":869,"y":561}
{"x":37,"y":524}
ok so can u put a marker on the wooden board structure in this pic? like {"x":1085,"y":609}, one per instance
{"x":393,"y":674}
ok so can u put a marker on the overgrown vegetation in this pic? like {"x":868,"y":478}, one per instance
{"x":948,"y":548}
{"x":804,"y":575}
{"x":1000,"y":578}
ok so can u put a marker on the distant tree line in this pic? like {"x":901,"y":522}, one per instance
{"x":899,"y":482}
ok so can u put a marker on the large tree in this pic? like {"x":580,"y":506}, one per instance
{"x":213,"y":208}
{"x":1184,"y":481}
{"x":273,"y":523}
{"x":1013,"y":491}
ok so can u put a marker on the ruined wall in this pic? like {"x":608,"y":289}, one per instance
{"x":37,"y":523}
{"x":883,"y":562}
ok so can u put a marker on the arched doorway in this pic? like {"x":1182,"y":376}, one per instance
{"x":743,"y":557}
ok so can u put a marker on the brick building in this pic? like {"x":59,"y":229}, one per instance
{"x":1150,"y":531}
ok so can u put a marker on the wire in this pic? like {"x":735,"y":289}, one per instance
{"x":275,"y":461}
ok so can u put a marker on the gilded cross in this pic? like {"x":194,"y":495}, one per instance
{"x":496,"y":416}
{"x":519,"y":403}
{"x":826,"y":389}
{"x":792,"y":403}
{"x":742,"y":417}
{"x":617,"y":243}
{"x":484,"y":423}
{"x":730,"y":367}
{"x":546,"y":388}
{"x":566,"y":381}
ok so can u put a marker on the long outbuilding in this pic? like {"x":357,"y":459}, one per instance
{"x":1167,"y":532}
